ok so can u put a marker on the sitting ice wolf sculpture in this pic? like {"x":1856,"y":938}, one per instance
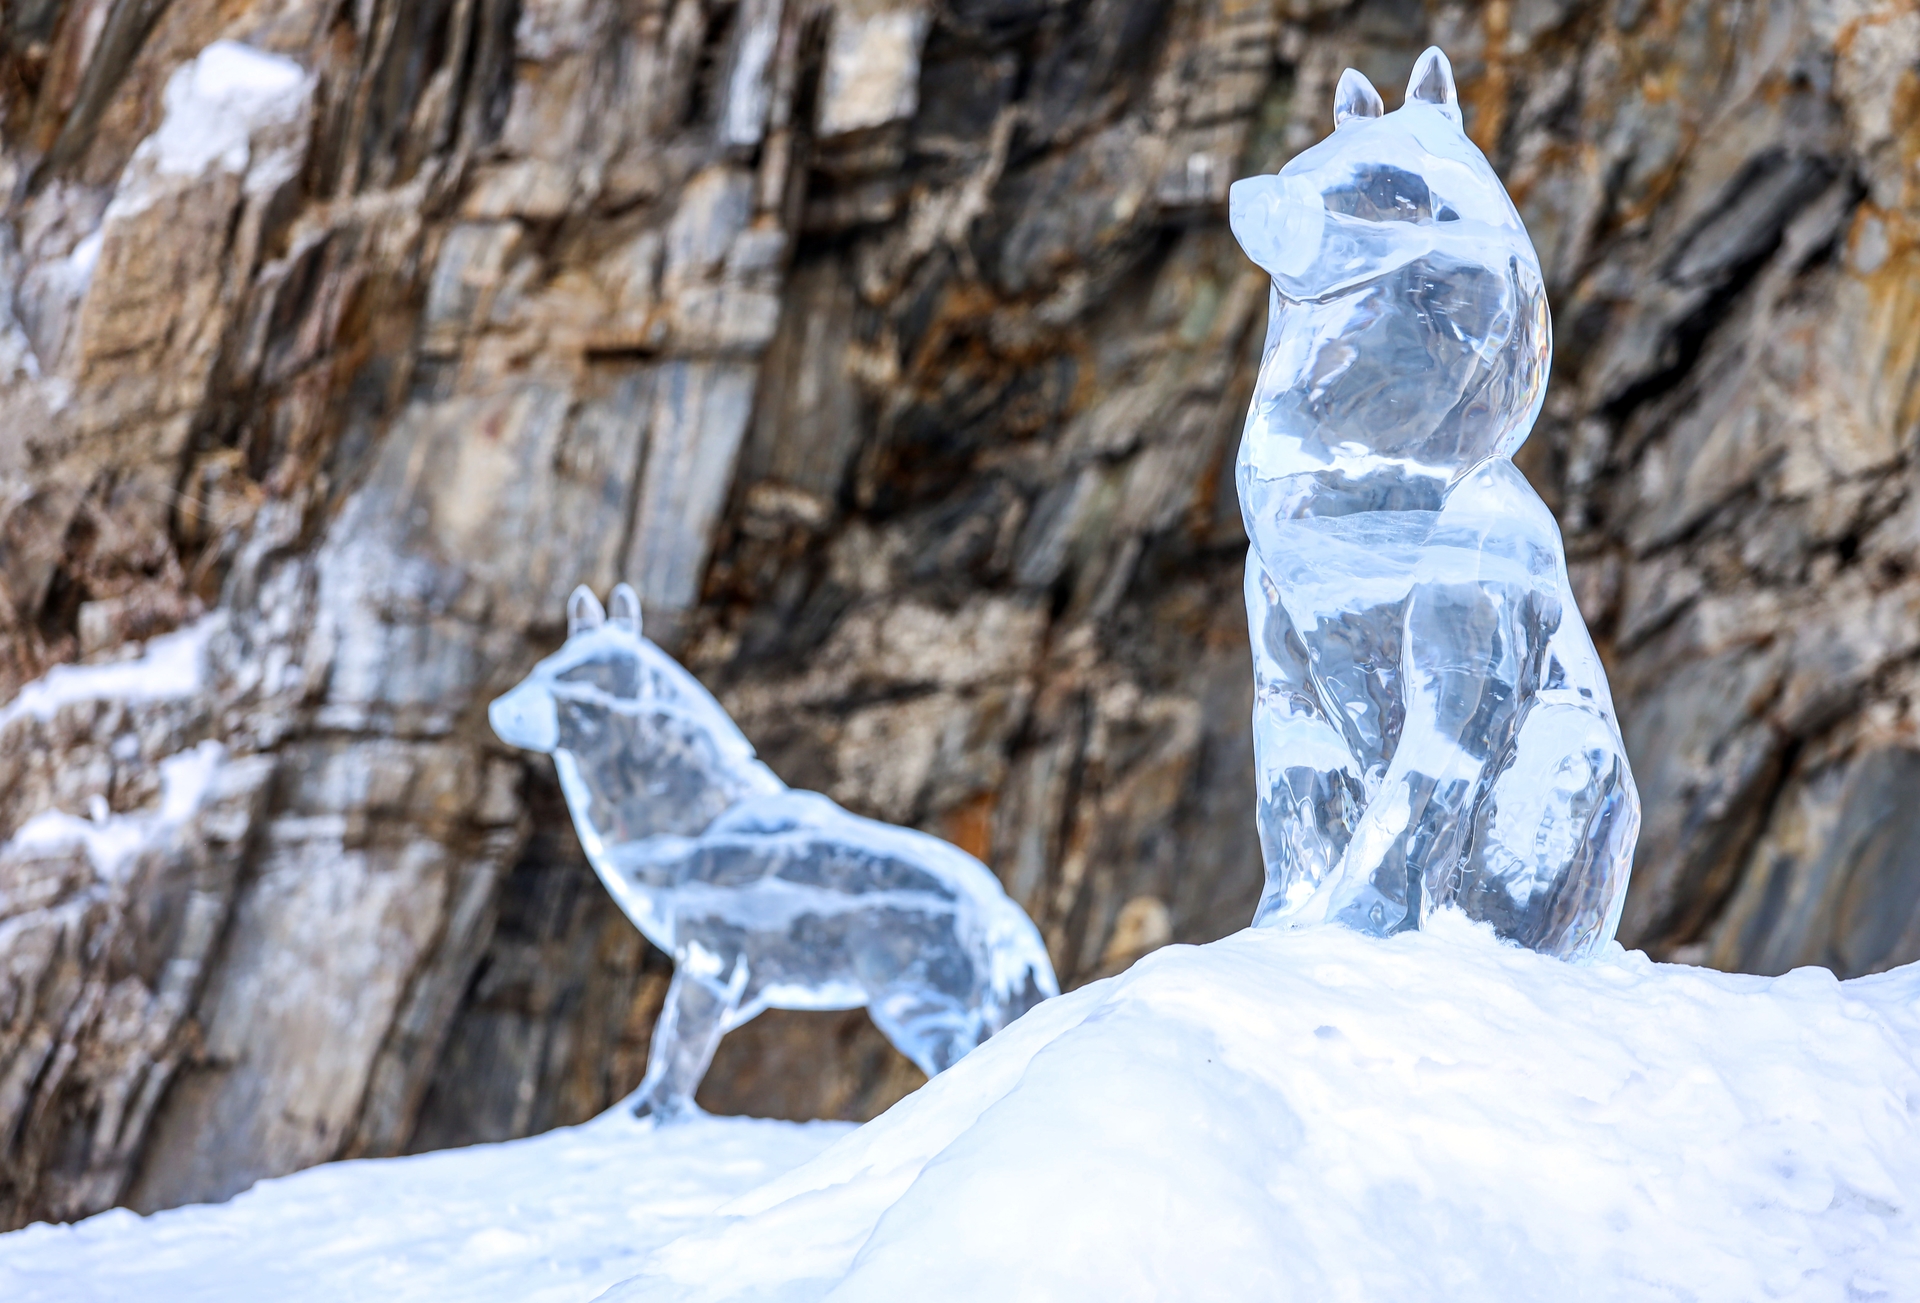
{"x":1432,"y":726}
{"x":764,"y":896}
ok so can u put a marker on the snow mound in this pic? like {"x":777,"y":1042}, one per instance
{"x":551,"y":1219}
{"x":1320,"y":1115}
{"x":1312,"y":1115}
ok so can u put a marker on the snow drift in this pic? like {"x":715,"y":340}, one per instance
{"x":1311,"y":1115}
{"x":554,"y":1218}
{"x":1320,"y":1115}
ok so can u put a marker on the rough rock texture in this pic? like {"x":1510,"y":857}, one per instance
{"x":898,"y":354}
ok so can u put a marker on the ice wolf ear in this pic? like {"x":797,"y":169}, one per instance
{"x":584,"y":611}
{"x":1355,"y":97}
{"x":1432,"y":83}
{"x":623,"y":608}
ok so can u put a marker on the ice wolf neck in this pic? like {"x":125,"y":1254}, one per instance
{"x":1432,"y":725}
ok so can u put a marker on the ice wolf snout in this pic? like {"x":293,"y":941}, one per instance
{"x":525,"y":717}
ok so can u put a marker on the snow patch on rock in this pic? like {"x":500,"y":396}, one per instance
{"x":214,"y":106}
{"x":113,"y":840}
{"x":167,"y":667}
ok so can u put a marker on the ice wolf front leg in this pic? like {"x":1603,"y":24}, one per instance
{"x":1309,"y":787}
{"x":1473,"y":649}
{"x":699,"y":1009}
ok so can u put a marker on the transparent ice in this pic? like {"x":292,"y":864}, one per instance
{"x":1432,"y":726}
{"x":765,"y":897}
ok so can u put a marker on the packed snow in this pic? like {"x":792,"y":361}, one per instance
{"x":1320,"y":1115}
{"x":1310,"y":1114}
{"x":552,"y":1219}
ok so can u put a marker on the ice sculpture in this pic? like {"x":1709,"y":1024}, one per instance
{"x":1432,"y":726}
{"x":764,"y":896}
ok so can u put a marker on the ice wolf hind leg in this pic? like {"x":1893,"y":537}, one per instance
{"x":1553,"y":839}
{"x":932,"y":1029}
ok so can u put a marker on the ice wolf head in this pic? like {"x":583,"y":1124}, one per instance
{"x":1410,"y":321}
{"x":642,"y":748}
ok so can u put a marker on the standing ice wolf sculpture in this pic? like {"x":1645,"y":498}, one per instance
{"x":1432,"y":726}
{"x":764,"y":896}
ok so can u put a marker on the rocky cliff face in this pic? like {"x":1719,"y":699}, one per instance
{"x":897,"y":353}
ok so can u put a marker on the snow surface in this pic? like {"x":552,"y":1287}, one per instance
{"x":1320,"y":1115}
{"x":1309,"y":1114}
{"x":552,"y":1219}
{"x":166,"y":667}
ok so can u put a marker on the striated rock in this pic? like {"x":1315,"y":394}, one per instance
{"x":899,"y":355}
